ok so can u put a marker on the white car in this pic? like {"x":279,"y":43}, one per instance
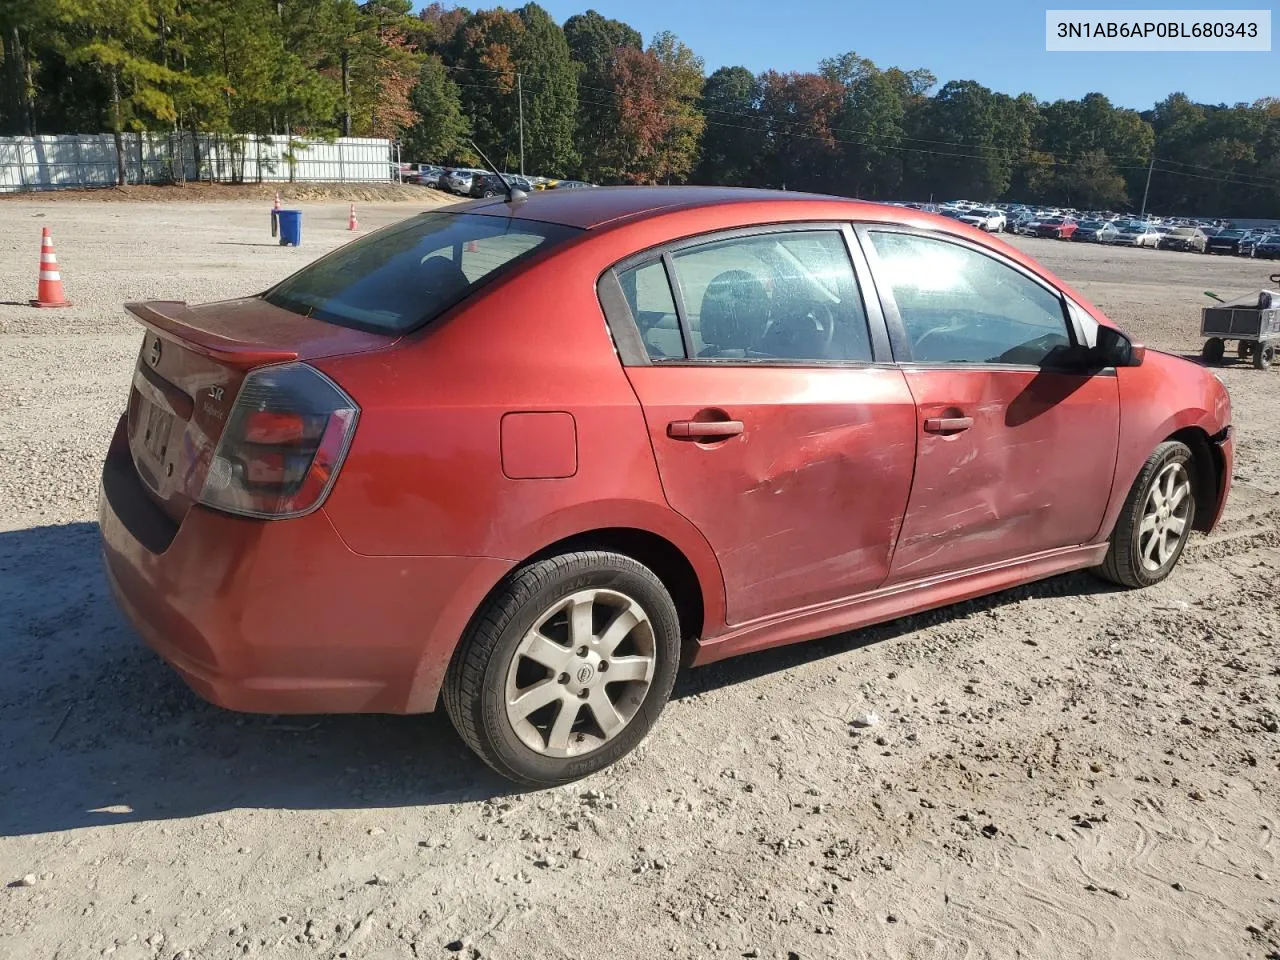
{"x":1136,"y":234}
{"x":984,"y":218}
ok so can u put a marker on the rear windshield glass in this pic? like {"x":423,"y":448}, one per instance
{"x":399,"y":278}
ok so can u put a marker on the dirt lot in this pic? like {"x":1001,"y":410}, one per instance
{"x":1059,"y":771}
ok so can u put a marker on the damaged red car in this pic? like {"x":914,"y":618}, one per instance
{"x":524,"y":459}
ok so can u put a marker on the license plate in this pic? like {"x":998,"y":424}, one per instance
{"x":155,"y":436}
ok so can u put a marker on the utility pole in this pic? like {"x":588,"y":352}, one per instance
{"x":520,"y":99}
{"x":1150,"y":167}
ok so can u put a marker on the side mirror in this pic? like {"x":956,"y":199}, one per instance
{"x":1114,"y":349}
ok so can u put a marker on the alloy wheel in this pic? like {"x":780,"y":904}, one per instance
{"x":1165,"y":516}
{"x":580,"y":673}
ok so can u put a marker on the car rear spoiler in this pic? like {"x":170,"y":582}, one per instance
{"x":172,"y":319}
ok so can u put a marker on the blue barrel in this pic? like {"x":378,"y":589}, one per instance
{"x":290,"y":227}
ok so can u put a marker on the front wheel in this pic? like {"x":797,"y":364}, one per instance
{"x":1154,"y":522}
{"x":1213,"y":350}
{"x":565,"y":668}
{"x":1263,"y":355}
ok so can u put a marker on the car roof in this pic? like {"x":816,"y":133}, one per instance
{"x":592,"y":208}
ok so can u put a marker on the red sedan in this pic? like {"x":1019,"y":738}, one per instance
{"x":1058,"y":228}
{"x":525,"y":458}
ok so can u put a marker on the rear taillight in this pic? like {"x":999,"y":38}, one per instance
{"x":285,"y":439}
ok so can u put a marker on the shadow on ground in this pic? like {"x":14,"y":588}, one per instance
{"x":95,"y":729}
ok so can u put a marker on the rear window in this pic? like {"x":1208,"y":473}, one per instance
{"x":401,"y":277}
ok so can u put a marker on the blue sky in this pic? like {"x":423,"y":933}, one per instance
{"x":999,"y":43}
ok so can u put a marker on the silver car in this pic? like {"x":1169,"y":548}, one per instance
{"x":459,"y":179}
{"x":1136,"y":234}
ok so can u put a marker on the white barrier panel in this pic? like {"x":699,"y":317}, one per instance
{"x":79,"y":160}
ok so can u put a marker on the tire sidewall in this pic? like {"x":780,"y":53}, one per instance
{"x":1174,"y":452}
{"x":629,"y":579}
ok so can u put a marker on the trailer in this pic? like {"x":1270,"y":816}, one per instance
{"x":1252,"y":321}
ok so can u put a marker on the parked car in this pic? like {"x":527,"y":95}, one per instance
{"x":489,"y":185}
{"x":571,"y":185}
{"x":1094,"y":231}
{"x":1268,"y":248}
{"x":1191,"y":239}
{"x":458,"y":179}
{"x":429,"y":175}
{"x":391,"y":482}
{"x":1059,"y":228}
{"x":984,"y":218}
{"x":1135,"y":233}
{"x":1226,"y":241}
{"x":1248,"y":242}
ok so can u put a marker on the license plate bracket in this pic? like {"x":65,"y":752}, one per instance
{"x":155,"y":432}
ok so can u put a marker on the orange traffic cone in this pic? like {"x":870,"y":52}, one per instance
{"x":49,"y":293}
{"x":351,"y":219}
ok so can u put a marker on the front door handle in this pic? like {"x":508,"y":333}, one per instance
{"x":703,"y":429}
{"x":947,"y":424}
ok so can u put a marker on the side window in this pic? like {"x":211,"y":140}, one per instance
{"x":775,"y":296}
{"x":960,"y":306}
{"x":649,"y":295}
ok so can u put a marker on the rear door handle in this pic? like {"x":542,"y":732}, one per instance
{"x":703,"y":429}
{"x":947,"y":424}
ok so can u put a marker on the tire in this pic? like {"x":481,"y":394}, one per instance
{"x":497,"y":661}
{"x":1213,"y":350}
{"x":490,"y":193}
{"x":1244,"y":349}
{"x":1263,"y":355}
{"x":1133,"y":557}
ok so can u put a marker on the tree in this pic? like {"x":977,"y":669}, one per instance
{"x":732,"y":139}
{"x":960,"y":153}
{"x":550,"y":93}
{"x":594,"y":42}
{"x":680,"y":86}
{"x":441,"y":129}
{"x":117,"y":39}
{"x":799,"y":111}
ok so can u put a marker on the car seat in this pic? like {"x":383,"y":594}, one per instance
{"x":734,"y":315}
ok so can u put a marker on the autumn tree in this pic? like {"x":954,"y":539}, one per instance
{"x":594,"y":43}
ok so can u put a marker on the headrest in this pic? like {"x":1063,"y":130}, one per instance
{"x":735,"y":311}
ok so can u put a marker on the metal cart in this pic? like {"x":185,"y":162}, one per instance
{"x":1252,"y":321}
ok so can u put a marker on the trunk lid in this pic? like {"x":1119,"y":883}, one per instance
{"x":189,"y":370}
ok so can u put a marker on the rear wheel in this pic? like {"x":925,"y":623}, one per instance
{"x":1154,"y":522}
{"x":566,"y":668}
{"x":1213,"y":350}
{"x":1263,"y":355}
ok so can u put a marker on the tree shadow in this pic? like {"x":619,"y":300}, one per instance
{"x":95,"y":729}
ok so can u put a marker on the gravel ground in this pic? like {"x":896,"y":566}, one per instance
{"x":1062,"y":770}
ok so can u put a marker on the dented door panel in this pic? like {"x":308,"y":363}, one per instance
{"x":1033,"y":471}
{"x":804,"y":505}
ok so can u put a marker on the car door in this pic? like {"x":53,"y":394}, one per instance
{"x":1016,"y":441}
{"x":780,"y":427}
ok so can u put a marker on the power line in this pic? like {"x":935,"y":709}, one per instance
{"x":768,"y":123}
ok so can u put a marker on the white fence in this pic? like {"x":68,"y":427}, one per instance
{"x":76,"y":160}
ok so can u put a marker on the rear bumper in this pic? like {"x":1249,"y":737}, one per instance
{"x":281,"y":616}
